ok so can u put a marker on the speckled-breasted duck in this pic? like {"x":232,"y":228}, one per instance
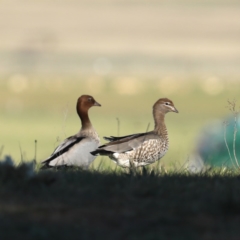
{"x":143,"y":148}
{"x":75,"y":150}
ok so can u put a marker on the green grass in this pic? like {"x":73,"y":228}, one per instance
{"x":45,"y":111}
{"x":103,"y":204}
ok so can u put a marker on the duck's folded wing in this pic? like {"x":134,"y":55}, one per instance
{"x":112,"y":138}
{"x":64,"y":147}
{"x":124,"y":144}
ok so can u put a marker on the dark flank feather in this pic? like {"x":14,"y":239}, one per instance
{"x":64,"y":147}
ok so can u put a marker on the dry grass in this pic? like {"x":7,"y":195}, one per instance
{"x":232,"y":106}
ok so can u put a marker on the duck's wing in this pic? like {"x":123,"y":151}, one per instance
{"x":112,"y":138}
{"x":124,"y":144}
{"x":63,"y":147}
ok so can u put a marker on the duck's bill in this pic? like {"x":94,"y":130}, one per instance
{"x":175,"y":110}
{"x":97,"y":104}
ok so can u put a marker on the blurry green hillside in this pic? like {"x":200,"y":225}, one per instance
{"x":44,"y":110}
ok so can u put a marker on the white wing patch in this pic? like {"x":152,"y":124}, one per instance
{"x":77,"y":155}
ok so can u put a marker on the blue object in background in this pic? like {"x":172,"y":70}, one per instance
{"x":212,"y":147}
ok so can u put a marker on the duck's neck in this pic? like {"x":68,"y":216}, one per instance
{"x":86,"y":124}
{"x":160,"y":127}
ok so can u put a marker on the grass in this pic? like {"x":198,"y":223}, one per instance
{"x":233,"y":109}
{"x":103,"y":204}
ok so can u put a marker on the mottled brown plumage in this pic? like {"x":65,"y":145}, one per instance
{"x":143,"y":148}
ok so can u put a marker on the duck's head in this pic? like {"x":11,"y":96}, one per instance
{"x":85,"y":102}
{"x":164,"y":105}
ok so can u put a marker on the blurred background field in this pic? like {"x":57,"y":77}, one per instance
{"x":127,"y":54}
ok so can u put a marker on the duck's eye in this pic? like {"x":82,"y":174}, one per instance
{"x":167,"y":103}
{"x":89,"y":99}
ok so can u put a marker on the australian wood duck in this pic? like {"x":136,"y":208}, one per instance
{"x":75,"y":150}
{"x":143,"y":148}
